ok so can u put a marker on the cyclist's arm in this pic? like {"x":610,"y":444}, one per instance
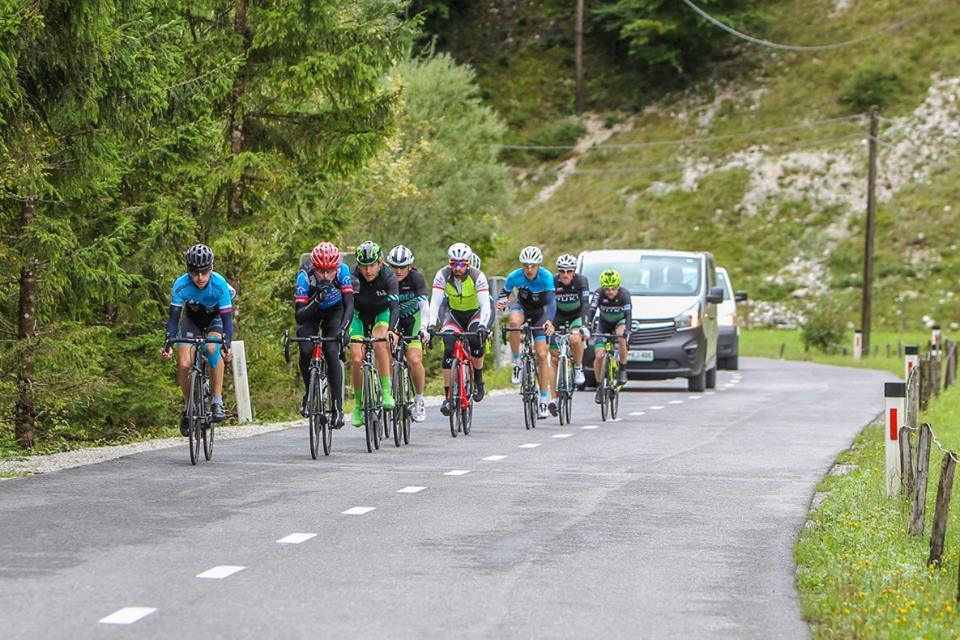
{"x":172,"y":320}
{"x":594,"y":306}
{"x":483,"y":291}
{"x":347,"y":302}
{"x":628,"y":316}
{"x":550,"y":310}
{"x":393,"y":302}
{"x":227,"y":318}
{"x":436,"y":299}
{"x":585,"y":305}
{"x":424,"y":311}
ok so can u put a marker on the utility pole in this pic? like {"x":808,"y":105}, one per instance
{"x":867,"y":299}
{"x":578,"y":55}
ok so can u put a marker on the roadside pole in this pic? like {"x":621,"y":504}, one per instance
{"x":910,"y":360}
{"x":857,"y":344}
{"x":936,"y":337}
{"x":867,"y":294}
{"x":240,"y":384}
{"x":894,"y":394}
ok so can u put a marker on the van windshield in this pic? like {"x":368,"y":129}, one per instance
{"x":651,"y":275}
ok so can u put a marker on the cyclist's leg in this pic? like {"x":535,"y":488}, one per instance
{"x":214,"y":328}
{"x":331,"y":322}
{"x":576,"y":342}
{"x":449,"y":328}
{"x":381,"y":353}
{"x":187,"y":328}
{"x":308,"y":328}
{"x":622,"y":344}
{"x":559,"y":326}
{"x":540,"y":348}
{"x":599,"y":344}
{"x":356,"y":363}
{"x":410,"y":328}
{"x":476,"y":353}
{"x":517,"y":318}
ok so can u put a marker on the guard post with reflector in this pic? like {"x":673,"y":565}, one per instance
{"x":894,"y":396}
{"x":911,"y":360}
{"x":936,"y":338}
{"x":857,"y":344}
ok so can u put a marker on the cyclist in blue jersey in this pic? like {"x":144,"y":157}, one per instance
{"x":534,"y":303}
{"x":201,"y":301}
{"x":324,"y":300}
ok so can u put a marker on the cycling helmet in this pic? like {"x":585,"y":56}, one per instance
{"x":199,"y":257}
{"x":368,"y":253}
{"x":474,"y":261}
{"x":325,"y":256}
{"x":459,"y":251}
{"x":531,"y":255}
{"x":610,"y":279}
{"x":566,"y":261}
{"x":400,"y":256}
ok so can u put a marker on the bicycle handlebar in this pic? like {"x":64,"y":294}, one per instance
{"x":194,"y":341}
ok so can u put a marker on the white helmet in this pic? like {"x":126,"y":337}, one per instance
{"x":566,"y":261}
{"x":400,"y":256}
{"x":531,"y":255}
{"x":459,"y":251}
{"x":475,"y":261}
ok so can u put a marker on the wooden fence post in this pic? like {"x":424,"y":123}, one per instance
{"x":938,"y":530}
{"x":907,"y":476}
{"x":919,"y":506}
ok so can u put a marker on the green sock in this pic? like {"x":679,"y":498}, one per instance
{"x":385,"y":383}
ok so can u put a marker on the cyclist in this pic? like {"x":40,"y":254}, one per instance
{"x":324,"y":299}
{"x":573,"y":303}
{"x":461,"y":293}
{"x":201,"y":301}
{"x":375,"y":314}
{"x":535,"y":303}
{"x":612,"y":301}
{"x":414,"y":313}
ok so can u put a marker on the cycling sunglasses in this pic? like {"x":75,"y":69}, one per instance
{"x":459,"y":263}
{"x":198,"y":272}
{"x":566,"y":270}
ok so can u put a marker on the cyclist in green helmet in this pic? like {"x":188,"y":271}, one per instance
{"x":610,"y":305}
{"x":376,"y":306}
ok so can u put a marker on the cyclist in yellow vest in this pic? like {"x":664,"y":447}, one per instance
{"x":467,"y":308}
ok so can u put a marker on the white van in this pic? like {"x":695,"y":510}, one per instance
{"x":728,"y":343}
{"x":675,"y":296}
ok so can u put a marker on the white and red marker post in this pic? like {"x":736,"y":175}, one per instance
{"x":911,"y":359}
{"x":857,"y":344}
{"x":895,"y":397}
{"x":936,"y":337}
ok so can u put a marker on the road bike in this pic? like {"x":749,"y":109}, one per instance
{"x":564,"y":382}
{"x":374,"y":415}
{"x":198,"y":400}
{"x":402,"y":392}
{"x":461,"y":385}
{"x":608,"y":387}
{"x":320,"y":406}
{"x":529,"y":375}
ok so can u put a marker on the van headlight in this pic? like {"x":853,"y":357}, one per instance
{"x":689,"y":319}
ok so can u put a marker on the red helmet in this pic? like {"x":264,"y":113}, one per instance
{"x":325,"y":256}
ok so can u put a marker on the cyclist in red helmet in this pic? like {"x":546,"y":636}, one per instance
{"x":324,"y":301}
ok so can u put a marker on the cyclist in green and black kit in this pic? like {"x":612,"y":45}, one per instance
{"x":414,"y":311}
{"x":613,"y":303}
{"x":376,"y":309}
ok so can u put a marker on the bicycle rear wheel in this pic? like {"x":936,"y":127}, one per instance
{"x":195,"y":413}
{"x":369,"y":415}
{"x":326,"y":408}
{"x":531,"y":392}
{"x":399,"y":407}
{"x":313,"y":413}
{"x":455,"y":399}
{"x":407,"y":407}
{"x":207,"y":434}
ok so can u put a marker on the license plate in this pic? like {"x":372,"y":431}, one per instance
{"x":643,"y":355}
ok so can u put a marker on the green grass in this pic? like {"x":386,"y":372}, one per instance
{"x":859,"y":573}
{"x":766,"y":343}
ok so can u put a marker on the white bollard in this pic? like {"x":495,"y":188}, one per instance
{"x":935,"y":338}
{"x":857,"y":344}
{"x":240,"y":384}
{"x":911,"y":360}
{"x":894,"y":394}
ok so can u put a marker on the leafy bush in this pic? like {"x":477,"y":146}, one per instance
{"x":825,"y":326}
{"x":559,"y":133}
{"x":878,"y":83}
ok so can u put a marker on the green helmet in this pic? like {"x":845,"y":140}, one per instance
{"x":369,"y":252}
{"x":610,"y":279}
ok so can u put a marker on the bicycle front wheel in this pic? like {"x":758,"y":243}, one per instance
{"x":369,"y":415}
{"x":399,"y":407}
{"x":326,"y":408}
{"x":407,"y":408}
{"x":455,"y":400}
{"x":313,"y":413}
{"x":466,"y":410}
{"x":208,"y":440}
{"x":195,"y":413}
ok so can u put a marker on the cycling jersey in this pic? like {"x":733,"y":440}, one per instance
{"x":413,"y":294}
{"x":371,"y":299}
{"x":616,"y":310}
{"x":329,"y":293}
{"x":573,"y":300}
{"x":203,"y":305}
{"x":462,"y":295}
{"x":533,"y":295}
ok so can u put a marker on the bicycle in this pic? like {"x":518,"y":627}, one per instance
{"x":374,"y":415}
{"x":529,"y":375}
{"x":198,"y":400}
{"x":608,"y":386}
{"x":319,"y":407}
{"x":461,"y":385}
{"x":564,"y":383}
{"x":402,"y":387}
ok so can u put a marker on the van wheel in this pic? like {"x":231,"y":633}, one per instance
{"x":697,"y":382}
{"x":711,"y":378}
{"x":732,"y":363}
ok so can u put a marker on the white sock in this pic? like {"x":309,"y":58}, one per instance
{"x":419,"y":396}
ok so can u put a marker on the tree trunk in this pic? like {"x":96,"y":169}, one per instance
{"x":578,"y":56}
{"x":237,"y":115}
{"x":26,"y":412}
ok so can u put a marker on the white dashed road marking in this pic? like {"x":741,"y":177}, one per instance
{"x":693,"y":397}
{"x":530,"y":445}
{"x":656,"y":407}
{"x":357,"y":511}
{"x":411,"y":490}
{"x":589,"y":426}
{"x":221,"y":572}
{"x":296,"y":538}
{"x":709,"y":393}
{"x":562,"y":435}
{"x":494,"y":458}
{"x":676,"y":402}
{"x":457,"y":472}
{"x":127,"y":615}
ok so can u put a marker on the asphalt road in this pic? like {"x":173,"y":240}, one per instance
{"x":677,"y":521}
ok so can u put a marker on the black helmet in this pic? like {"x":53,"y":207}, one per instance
{"x":199,"y":257}
{"x":368,"y":253}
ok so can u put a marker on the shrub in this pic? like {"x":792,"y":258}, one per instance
{"x":878,"y":83}
{"x":559,"y":133}
{"x":825,"y":325}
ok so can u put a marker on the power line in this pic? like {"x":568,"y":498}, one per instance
{"x":790,"y":47}
{"x":699,"y":139}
